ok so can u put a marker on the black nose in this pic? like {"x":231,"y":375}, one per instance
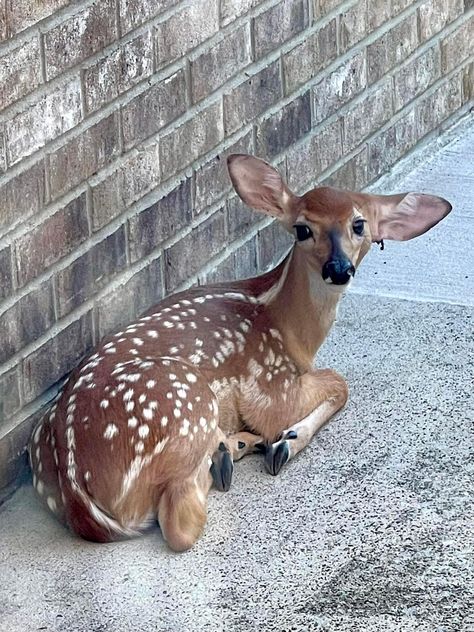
{"x":338,"y":270}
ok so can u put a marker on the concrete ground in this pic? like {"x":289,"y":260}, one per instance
{"x":369,"y":529}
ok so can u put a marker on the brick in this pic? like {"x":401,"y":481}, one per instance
{"x":137,"y":175}
{"x":378,"y":12}
{"x":88,"y":274}
{"x":130,"y":299}
{"x":9,"y":394}
{"x":241,"y":264}
{"x":391,"y":49}
{"x":79,"y":37}
{"x":240,"y":218}
{"x":232,"y":9}
{"x":313,"y":156}
{"x":133,"y":13}
{"x":399,"y":5}
{"x":457,"y":46}
{"x":252,"y":97}
{"x":6,"y":273}
{"x":151,"y":110}
{"x":25,"y":13}
{"x":54,"y":114}
{"x":118,"y":71}
{"x":57,"y":357}
{"x":193,"y":251}
{"x":20,"y":72}
{"x":174,"y":38}
{"x":273,"y":242}
{"x":434,"y":16}
{"x":325,"y":6}
{"x":386,"y":148}
{"x":339,"y":87}
{"x":414,"y":78}
{"x":352,"y":26}
{"x":367,"y":116}
{"x":468,"y":82}
{"x":84,"y":155}
{"x":212,"y":179}
{"x":160,"y":221}
{"x":3,"y":157}
{"x":190,"y":140}
{"x":436,"y":107}
{"x":304,"y":61}
{"x":28,"y":319}
{"x":55,"y":238}
{"x":222,"y":61}
{"x":352,"y":175}
{"x":279,"y":24}
{"x":22,"y":196}
{"x":3,"y":20}
{"x":285,"y":127}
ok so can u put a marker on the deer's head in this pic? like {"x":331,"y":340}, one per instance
{"x":334,"y":228}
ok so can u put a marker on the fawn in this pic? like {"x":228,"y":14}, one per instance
{"x":160,"y":410}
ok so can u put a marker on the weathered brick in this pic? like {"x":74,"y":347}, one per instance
{"x":386,"y":148}
{"x":84,"y":155}
{"x":313,"y":54}
{"x":133,"y":13}
{"x":48,"y":364}
{"x":414,"y":78}
{"x":278,"y":24}
{"x":55,"y":113}
{"x":56,"y":237}
{"x":436,"y":107}
{"x":3,"y":20}
{"x":352,"y":25}
{"x":131,"y":181}
{"x":318,"y":152}
{"x":468,"y":82}
{"x":151,"y":110}
{"x":252,"y":97}
{"x":160,"y":221}
{"x":212,"y":179}
{"x":285,"y":127}
{"x":3,"y":157}
{"x":399,"y":5}
{"x":6,"y":273}
{"x":9,"y":394}
{"x":130,"y":299}
{"x":241,"y":264}
{"x":392,"y":48}
{"x":190,"y":140}
{"x":118,"y":71}
{"x":24,"y":13}
{"x":273,"y":242}
{"x":325,"y":6}
{"x":339,"y":87}
{"x":222,"y":61}
{"x":174,"y":38}
{"x":79,"y":37}
{"x":191,"y":253}
{"x":28,"y":319}
{"x":240,"y":218}
{"x":20,"y":72}
{"x":22,"y":196}
{"x":88,"y":274}
{"x":367,"y":116}
{"x":232,"y":9}
{"x":457,"y":46}
{"x":352,"y":175}
{"x":378,"y":12}
{"x":434,"y":16}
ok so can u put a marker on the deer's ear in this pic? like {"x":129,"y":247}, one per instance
{"x":403,"y":216}
{"x":260,"y":185}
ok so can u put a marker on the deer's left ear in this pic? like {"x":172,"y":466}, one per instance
{"x":404,"y":216}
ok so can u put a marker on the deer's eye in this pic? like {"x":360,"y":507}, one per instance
{"x":303,"y":232}
{"x":358,"y":226}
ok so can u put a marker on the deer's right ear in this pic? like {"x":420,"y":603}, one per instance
{"x":260,"y":185}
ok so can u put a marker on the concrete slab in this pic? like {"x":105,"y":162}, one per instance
{"x":369,"y":529}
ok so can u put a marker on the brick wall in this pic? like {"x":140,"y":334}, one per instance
{"x":115,"y":120}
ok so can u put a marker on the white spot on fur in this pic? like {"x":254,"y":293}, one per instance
{"x":150,"y":383}
{"x":110,"y":431}
{"x":143,"y":431}
{"x":51,"y":503}
{"x":104,"y":403}
{"x":132,"y":422}
{"x":164,"y":421}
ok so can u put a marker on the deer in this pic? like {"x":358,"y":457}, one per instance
{"x":157,"y":414}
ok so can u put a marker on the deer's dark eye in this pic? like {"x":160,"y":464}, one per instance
{"x":302,"y":232}
{"x":358,"y":226}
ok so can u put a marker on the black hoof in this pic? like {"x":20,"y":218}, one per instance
{"x":276,"y":456}
{"x":222,"y":468}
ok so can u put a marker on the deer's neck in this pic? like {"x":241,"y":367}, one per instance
{"x":301,"y":305}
